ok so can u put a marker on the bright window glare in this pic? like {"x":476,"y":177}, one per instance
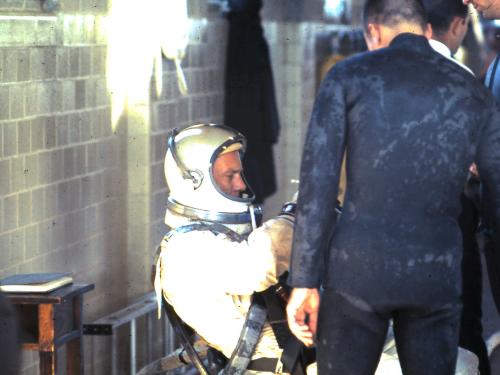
{"x":138,"y":33}
{"x":334,"y":8}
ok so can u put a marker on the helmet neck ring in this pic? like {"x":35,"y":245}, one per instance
{"x":215,"y":216}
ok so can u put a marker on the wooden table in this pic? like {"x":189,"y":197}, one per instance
{"x":49,"y":320}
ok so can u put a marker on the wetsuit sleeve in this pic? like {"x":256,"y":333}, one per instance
{"x":488,"y":163}
{"x":319,"y":179}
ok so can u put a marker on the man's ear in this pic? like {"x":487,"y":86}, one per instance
{"x":428,"y":31}
{"x":457,"y":24}
{"x":373,"y":36}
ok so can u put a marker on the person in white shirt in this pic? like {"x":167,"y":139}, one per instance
{"x":449,"y":20}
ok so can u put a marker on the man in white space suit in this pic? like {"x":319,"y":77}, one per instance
{"x":215,"y":257}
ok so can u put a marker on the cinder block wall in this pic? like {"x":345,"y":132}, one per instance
{"x":291,"y":31}
{"x":55,"y":135}
{"x":59,"y":159}
{"x":292,"y":54}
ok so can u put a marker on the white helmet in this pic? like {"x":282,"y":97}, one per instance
{"x":194,"y":194}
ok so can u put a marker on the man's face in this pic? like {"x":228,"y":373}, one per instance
{"x":227,"y":171}
{"x":489,"y":8}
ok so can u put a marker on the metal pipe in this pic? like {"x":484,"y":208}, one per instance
{"x":133,"y":347}
{"x":164,"y":336}
{"x":149,"y":327}
{"x":168,"y":336}
{"x":114,"y":355}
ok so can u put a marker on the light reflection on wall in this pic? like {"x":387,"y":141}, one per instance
{"x":137,"y":34}
{"x":334,"y":8}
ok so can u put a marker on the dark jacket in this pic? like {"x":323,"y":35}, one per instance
{"x":471,"y":329}
{"x":491,"y":248}
{"x":411,"y":122}
{"x":250,"y":103}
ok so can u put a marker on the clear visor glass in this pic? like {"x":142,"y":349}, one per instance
{"x":247,"y":195}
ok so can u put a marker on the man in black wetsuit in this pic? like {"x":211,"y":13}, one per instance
{"x":409,"y":119}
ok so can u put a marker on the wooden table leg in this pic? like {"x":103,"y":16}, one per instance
{"x":46,"y":339}
{"x":74,"y":361}
{"x":74,"y":349}
{"x":47,"y":363}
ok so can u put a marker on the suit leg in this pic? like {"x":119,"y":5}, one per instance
{"x":47,"y":363}
{"x":427,"y":340}
{"x":351,"y":336}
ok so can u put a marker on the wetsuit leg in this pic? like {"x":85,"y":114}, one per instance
{"x":351,"y":336}
{"x":471,"y":329}
{"x":427,"y":339}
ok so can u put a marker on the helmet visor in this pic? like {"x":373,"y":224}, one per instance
{"x":226,"y":172}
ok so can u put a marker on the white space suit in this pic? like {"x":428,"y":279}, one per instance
{"x":209,"y":276}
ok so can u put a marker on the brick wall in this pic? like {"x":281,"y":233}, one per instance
{"x":57,"y":151}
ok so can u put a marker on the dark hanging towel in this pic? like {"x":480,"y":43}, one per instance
{"x":250,"y":104}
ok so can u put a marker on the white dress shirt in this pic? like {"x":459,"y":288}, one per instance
{"x":445,"y":51}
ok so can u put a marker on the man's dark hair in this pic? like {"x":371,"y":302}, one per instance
{"x":392,"y":12}
{"x":440,"y":13}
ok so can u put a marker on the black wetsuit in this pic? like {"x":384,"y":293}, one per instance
{"x":471,"y":329}
{"x":411,"y":122}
